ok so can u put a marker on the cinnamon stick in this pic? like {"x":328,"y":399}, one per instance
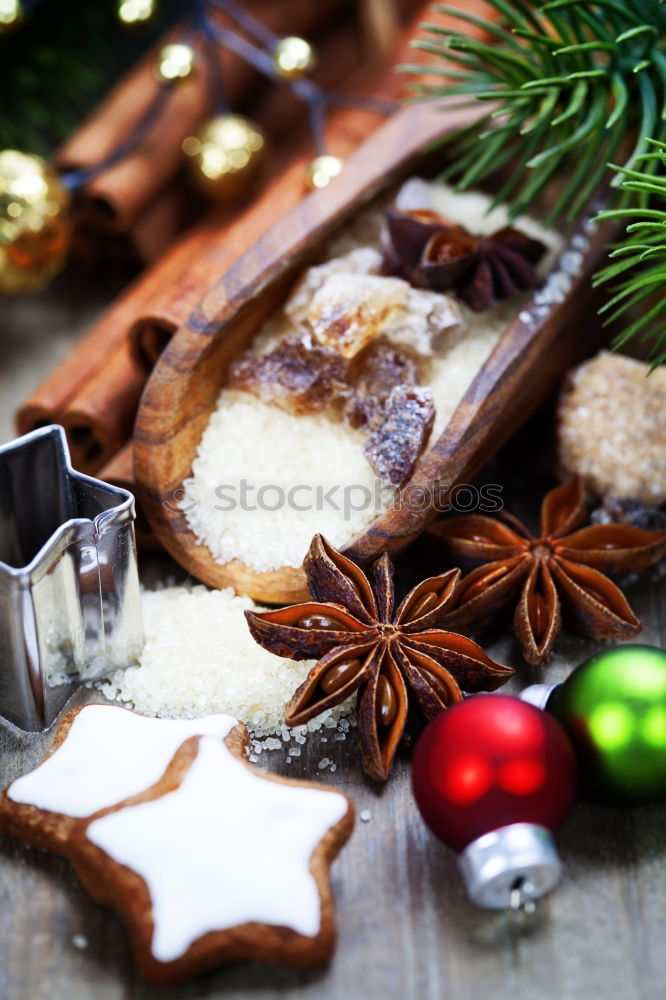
{"x":115,"y":197}
{"x":99,"y":417}
{"x":47,"y":404}
{"x":102,"y":360}
{"x":380,"y":21}
{"x":160,"y":222}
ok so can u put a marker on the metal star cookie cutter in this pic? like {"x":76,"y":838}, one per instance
{"x":70,"y":605}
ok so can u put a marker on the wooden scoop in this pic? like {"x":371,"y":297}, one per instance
{"x":534,"y":351}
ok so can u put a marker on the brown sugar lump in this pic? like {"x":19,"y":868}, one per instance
{"x":612,"y":427}
{"x":361,"y":260}
{"x":298,"y":376}
{"x":350,"y":310}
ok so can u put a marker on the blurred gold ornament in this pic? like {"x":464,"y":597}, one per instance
{"x":11,"y":14}
{"x":135,"y":12}
{"x":175,"y":63}
{"x":322,"y":170}
{"x":226,"y":156}
{"x":34,"y":225}
{"x":293,"y":57}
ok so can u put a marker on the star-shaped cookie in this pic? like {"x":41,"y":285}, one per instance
{"x":101,"y":755}
{"x":229,"y":863}
{"x":212,"y":860}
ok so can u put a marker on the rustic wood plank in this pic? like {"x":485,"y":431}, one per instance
{"x":406,"y":929}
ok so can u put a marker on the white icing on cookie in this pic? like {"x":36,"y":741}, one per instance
{"x":109,"y":755}
{"x":242,"y":845}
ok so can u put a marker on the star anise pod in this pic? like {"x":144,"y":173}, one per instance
{"x":431,"y":252}
{"x":365,"y":645}
{"x":559,"y":574}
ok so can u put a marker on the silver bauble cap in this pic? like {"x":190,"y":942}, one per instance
{"x":510,"y":867}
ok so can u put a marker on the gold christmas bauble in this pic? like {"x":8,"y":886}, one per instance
{"x":11,"y":14}
{"x":226,"y":156}
{"x":322,"y":170}
{"x":293,"y":57}
{"x":35,"y":230}
{"x":175,"y":63}
{"x":136,"y":12}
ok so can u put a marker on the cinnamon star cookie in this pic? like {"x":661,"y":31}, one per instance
{"x":101,"y":755}
{"x":212,"y":861}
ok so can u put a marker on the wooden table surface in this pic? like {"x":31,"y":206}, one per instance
{"x":406,"y":929}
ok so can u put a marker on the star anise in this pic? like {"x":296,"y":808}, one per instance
{"x":561,"y":573}
{"x":431,"y":252}
{"x":365,"y":645}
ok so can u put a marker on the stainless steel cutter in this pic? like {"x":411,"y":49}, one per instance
{"x":70,"y":605}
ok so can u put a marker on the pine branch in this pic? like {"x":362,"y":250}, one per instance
{"x":573,"y":79}
{"x":638,"y":269}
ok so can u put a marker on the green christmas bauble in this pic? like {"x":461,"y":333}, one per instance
{"x":614,"y":709}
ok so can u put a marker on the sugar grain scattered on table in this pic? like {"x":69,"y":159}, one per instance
{"x":200,"y":659}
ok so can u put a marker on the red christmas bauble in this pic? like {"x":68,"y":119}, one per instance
{"x":490,"y":761}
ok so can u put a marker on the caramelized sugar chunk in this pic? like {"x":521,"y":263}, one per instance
{"x":395,"y":444}
{"x":350,"y":310}
{"x":346,"y":302}
{"x":297,"y":376}
{"x":374,"y":375}
{"x":428,"y":324}
{"x":363,"y":260}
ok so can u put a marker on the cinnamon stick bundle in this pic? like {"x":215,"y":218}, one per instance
{"x":116,"y":197}
{"x":95,"y":392}
{"x":168,"y":305}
